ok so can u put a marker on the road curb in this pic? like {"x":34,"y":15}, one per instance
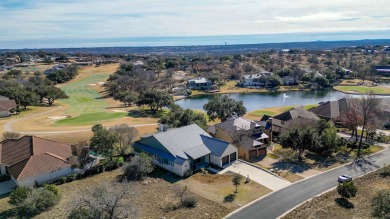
{"x":252,"y":202}
{"x":322,"y":193}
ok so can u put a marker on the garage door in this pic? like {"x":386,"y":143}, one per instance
{"x":262,"y":152}
{"x":233,"y":156}
{"x":225,"y":160}
{"x":252,"y":154}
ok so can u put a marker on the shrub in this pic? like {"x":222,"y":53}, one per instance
{"x":139,"y":167}
{"x":62,"y":180}
{"x":381,"y":204}
{"x":188,"y":173}
{"x":385,"y":172}
{"x":53,"y":188}
{"x":347,"y":189}
{"x":39,"y":200}
{"x":71,"y":178}
{"x":80,"y":213}
{"x":189,"y":202}
{"x":19,"y":195}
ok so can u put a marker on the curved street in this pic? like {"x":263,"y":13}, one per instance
{"x":282,"y":201}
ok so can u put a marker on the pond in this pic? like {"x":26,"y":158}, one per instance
{"x":253,"y":101}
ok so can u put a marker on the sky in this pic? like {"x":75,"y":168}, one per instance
{"x":85,"y":23}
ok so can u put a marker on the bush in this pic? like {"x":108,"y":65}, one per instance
{"x":188,"y":173}
{"x":385,"y":172}
{"x":189,"y":202}
{"x":62,"y":180}
{"x":19,"y":195}
{"x":80,"y":213}
{"x":40,"y":200}
{"x":53,"y":188}
{"x":381,"y":204}
{"x":139,"y":167}
{"x":347,"y":189}
{"x":71,"y":178}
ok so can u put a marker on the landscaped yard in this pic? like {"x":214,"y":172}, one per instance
{"x":325,"y":206}
{"x":363,"y":89}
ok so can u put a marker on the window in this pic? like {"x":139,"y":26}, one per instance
{"x":282,"y":122}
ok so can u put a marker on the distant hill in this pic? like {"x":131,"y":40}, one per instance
{"x":217,"y":49}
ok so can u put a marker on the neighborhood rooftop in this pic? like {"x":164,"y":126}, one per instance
{"x":296,"y":112}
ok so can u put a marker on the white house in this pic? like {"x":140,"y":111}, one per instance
{"x":259,"y":79}
{"x":190,"y":147}
{"x":32,"y":160}
{"x":199,"y":84}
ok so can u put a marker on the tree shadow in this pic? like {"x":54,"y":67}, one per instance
{"x":10,"y":213}
{"x":291,"y":167}
{"x":229,"y":198}
{"x":345,"y":203}
{"x":165,"y":175}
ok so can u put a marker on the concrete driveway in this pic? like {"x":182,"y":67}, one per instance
{"x":257,"y":174}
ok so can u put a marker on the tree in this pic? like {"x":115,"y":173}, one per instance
{"x":19,"y":195}
{"x":156,"y":100}
{"x":347,"y":189}
{"x":298,"y":138}
{"x":274,"y":81}
{"x":369,"y":106}
{"x":139,"y":167}
{"x":106,"y":201}
{"x":351,"y":118}
{"x":223,"y":107}
{"x":54,"y":93}
{"x":103,"y":141}
{"x":327,"y":138}
{"x":124,"y":135}
{"x":178,"y":117}
{"x":81,"y":150}
{"x":237,"y":178}
{"x":321,"y":81}
{"x":127,"y":97}
{"x":11,"y":135}
{"x":381,"y":204}
{"x":39,"y":200}
{"x":27,"y":98}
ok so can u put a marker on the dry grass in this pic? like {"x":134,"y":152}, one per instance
{"x":290,"y":176}
{"x":152,"y":197}
{"x":325,"y":205}
{"x":216,"y":187}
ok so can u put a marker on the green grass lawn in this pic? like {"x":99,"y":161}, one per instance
{"x":272,"y":156}
{"x":89,"y":118}
{"x":82,"y":97}
{"x":363,"y":89}
{"x":273,"y":111}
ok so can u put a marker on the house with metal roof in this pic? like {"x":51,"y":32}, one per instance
{"x":248,"y":135}
{"x":180,"y":149}
{"x":255,"y":80}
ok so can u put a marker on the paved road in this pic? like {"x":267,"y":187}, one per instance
{"x":279,"y":202}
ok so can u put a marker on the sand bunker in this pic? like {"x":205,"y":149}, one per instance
{"x":58,"y":117}
{"x":118,"y":111}
{"x":92,"y":84}
{"x":101,"y":82}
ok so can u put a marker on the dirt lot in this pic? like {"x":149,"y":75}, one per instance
{"x":217,"y":187}
{"x":152,"y":198}
{"x":325,"y":206}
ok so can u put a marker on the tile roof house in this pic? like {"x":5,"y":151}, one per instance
{"x":331,"y":110}
{"x":250,"y":135}
{"x":32,"y":160}
{"x":6,"y":105}
{"x":295,"y":114}
{"x":190,"y":147}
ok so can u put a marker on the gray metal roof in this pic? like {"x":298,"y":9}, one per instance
{"x":216,"y":146}
{"x":178,"y":140}
{"x":197,"y":151}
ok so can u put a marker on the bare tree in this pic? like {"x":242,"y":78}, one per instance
{"x":125,"y":135}
{"x":369,"y":105}
{"x":106,"y":201}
